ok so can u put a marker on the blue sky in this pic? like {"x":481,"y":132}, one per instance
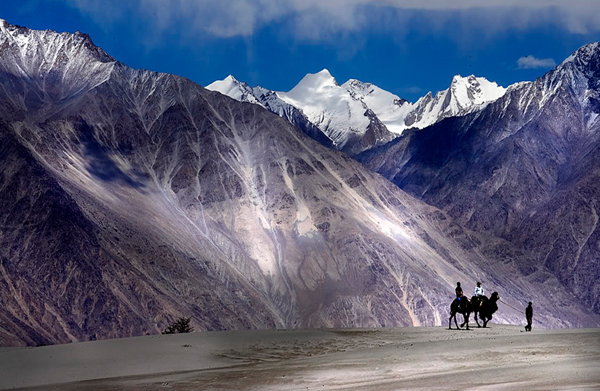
{"x":272,"y":43}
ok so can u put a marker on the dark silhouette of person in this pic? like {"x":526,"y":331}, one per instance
{"x":459,"y":291}
{"x":529,"y":316}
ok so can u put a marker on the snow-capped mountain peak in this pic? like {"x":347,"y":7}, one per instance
{"x":231,"y":79}
{"x":226,"y":84}
{"x":335,"y":115}
{"x":372,"y":95}
{"x":314,"y":83}
{"x":341,"y":115}
{"x":323,"y":76}
{"x":235,"y":89}
{"x":271,"y":101}
{"x":464,"y":95}
{"x":388,"y":107}
{"x":471,"y":90}
{"x":346,"y":112}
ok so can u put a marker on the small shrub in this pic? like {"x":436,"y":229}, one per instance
{"x":180,"y":325}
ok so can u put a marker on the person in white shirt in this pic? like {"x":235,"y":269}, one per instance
{"x":478,"y":289}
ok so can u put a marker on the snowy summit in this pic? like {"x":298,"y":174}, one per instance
{"x":356,"y":115}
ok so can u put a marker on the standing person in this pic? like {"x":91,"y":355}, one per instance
{"x":529,"y":316}
{"x":478,"y":289}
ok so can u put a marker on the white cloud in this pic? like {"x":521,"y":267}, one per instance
{"x":531,"y":62}
{"x":316,"y":19}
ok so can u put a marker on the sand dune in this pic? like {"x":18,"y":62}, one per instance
{"x":501,"y":357}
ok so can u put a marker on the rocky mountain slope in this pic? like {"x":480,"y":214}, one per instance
{"x":358,"y":116}
{"x":130,"y":197}
{"x":525,"y":168}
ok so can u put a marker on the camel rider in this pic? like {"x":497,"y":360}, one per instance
{"x":459,"y":291}
{"x":478,"y":289}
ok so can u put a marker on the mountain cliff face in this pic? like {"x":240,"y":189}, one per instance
{"x":130,"y":197}
{"x":525,"y":168}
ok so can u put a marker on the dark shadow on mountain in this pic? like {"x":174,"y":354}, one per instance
{"x":99,"y":163}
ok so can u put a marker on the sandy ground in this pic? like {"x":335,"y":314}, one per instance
{"x":498,"y":358}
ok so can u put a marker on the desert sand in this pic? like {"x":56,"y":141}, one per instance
{"x":501,"y":357}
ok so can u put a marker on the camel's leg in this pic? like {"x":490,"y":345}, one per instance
{"x":476,"y":320}
{"x":455,"y":322}
{"x":467,"y":320}
{"x":487,"y":320}
{"x":450,"y":321}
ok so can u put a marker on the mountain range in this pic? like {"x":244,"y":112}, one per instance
{"x":129,"y":198}
{"x":358,"y":116}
